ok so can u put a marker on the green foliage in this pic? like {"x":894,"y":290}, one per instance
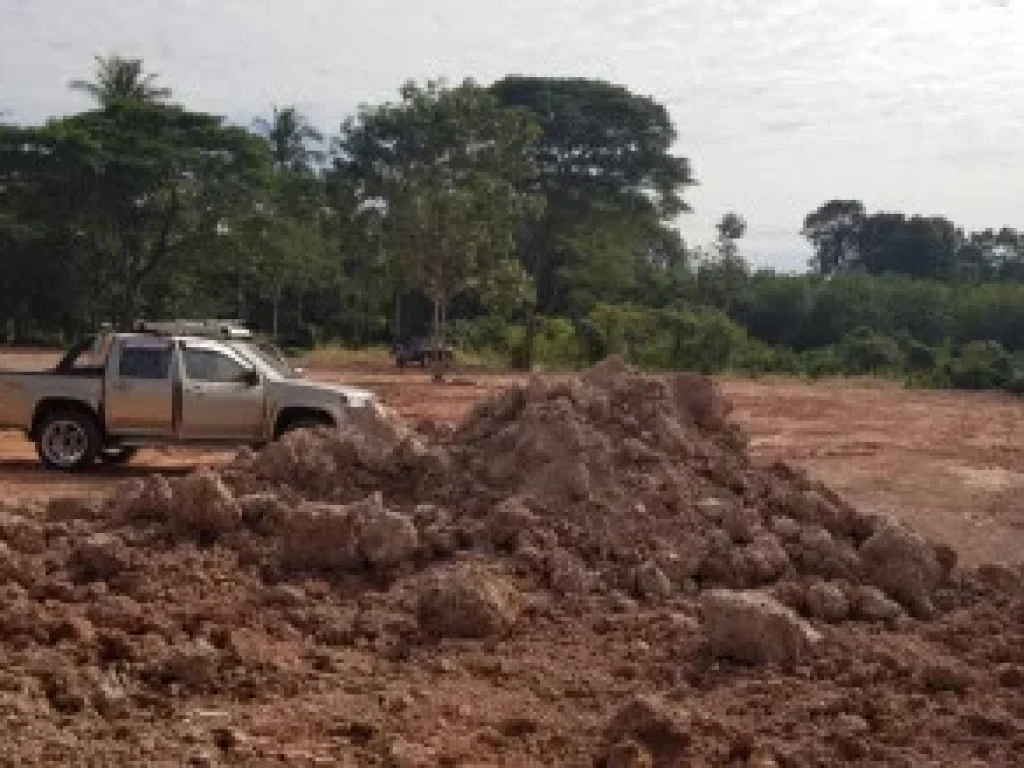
{"x":920,"y":357}
{"x":680,"y":338}
{"x":450,"y":167}
{"x":292,"y":139}
{"x":118,"y":80}
{"x":124,"y":197}
{"x":539,"y":212}
{"x":557,"y":345}
{"x":980,"y":365}
{"x":866,"y":352}
{"x":506,"y":290}
{"x":994,"y":312}
{"x":756,"y":358}
{"x":845,"y":237}
{"x":818,"y":363}
{"x":605,"y":165}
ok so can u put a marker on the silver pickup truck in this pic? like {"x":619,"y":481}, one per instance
{"x":171,"y":383}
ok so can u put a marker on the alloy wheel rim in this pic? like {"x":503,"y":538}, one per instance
{"x":64,"y":442}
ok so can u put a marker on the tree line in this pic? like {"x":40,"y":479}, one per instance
{"x":532,"y":220}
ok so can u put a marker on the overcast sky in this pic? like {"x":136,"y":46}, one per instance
{"x":913,"y":105}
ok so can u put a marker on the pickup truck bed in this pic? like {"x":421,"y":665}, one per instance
{"x":21,"y":392}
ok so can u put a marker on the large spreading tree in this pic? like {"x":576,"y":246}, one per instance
{"x":449,"y":169}
{"x":605,"y":165}
{"x":124,"y":196}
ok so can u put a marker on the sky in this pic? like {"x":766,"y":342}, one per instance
{"x":908,"y":105}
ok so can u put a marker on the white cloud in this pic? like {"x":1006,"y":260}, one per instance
{"x":907,"y":104}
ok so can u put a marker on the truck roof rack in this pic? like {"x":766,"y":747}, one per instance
{"x":215,"y":329}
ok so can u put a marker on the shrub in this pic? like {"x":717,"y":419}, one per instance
{"x":755,"y":357}
{"x":557,"y":344}
{"x":864,"y":351}
{"x":980,"y":365}
{"x":818,"y":363}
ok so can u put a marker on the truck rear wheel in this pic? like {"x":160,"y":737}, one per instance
{"x":67,"y":440}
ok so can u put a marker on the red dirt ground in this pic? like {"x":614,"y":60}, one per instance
{"x":168,"y":651}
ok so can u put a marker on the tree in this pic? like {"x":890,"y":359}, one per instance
{"x":723,"y":273}
{"x":293,"y":140}
{"x":845,"y":237}
{"x":368,"y":275}
{"x":604,"y":155}
{"x":834,"y":231}
{"x":449,"y":166}
{"x":992,"y":255}
{"x":730,"y":227}
{"x":126,"y":195}
{"x":918,"y":246}
{"x":120,"y":79}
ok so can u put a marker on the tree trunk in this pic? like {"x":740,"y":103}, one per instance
{"x":526,"y":357}
{"x":396,"y":333}
{"x":436,"y":363}
{"x":298,"y":308}
{"x":240,"y":295}
{"x":540,"y":280}
{"x":126,"y":314}
{"x":276,"y":305}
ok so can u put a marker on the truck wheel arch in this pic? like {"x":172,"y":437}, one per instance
{"x":48,"y":405}
{"x":292,"y":418}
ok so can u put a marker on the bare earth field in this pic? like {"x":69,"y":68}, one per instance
{"x":951,"y":464}
{"x":587,"y":572}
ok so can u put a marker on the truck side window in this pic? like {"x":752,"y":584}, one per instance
{"x":144,"y":363}
{"x":207,"y":365}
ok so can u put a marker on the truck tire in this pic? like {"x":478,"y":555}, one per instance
{"x":118,"y":455}
{"x":68,"y":440}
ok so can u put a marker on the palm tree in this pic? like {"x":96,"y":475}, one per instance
{"x":119,"y":79}
{"x":290,"y":135}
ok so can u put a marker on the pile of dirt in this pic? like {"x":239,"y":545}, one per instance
{"x":612,"y":482}
{"x":586,"y":570}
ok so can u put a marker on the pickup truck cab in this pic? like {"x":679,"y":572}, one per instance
{"x":181,"y":383}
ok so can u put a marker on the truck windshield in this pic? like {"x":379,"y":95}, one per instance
{"x":266,"y":357}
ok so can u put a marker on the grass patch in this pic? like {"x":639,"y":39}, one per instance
{"x":331,"y":356}
{"x":335,"y":356}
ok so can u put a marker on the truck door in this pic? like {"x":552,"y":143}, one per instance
{"x":222,"y":398}
{"x":139,"y":388}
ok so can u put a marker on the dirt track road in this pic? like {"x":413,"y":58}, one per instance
{"x":950,"y":463}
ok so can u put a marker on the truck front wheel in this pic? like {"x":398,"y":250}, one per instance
{"x":67,"y":440}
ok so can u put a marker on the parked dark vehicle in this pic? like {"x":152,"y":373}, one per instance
{"x":422,"y":351}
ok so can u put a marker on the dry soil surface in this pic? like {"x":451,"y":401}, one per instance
{"x":561,"y":579}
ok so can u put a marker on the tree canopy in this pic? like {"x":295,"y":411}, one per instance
{"x":449,"y":168}
{"x":604,"y":161}
{"x":540,"y":214}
